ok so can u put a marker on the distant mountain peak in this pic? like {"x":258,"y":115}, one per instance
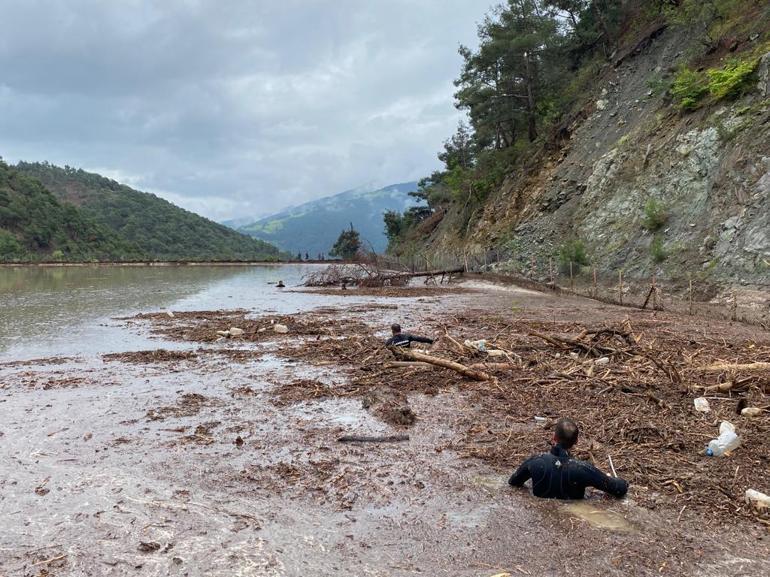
{"x":313,"y":227}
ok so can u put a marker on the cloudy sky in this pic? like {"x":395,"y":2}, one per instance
{"x":233,"y":108}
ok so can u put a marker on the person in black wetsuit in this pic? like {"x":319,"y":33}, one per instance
{"x":400,"y":339}
{"x":556,"y":475}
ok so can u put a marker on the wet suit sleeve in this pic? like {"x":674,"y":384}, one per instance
{"x":611,"y":485}
{"x":521,"y":475}
{"x":416,"y":339}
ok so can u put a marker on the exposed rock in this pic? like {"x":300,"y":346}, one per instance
{"x":709,"y":171}
{"x":763,"y":73}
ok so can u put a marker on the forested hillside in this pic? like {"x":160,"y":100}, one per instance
{"x":626,"y":135}
{"x":35,"y":225}
{"x":159,"y":229}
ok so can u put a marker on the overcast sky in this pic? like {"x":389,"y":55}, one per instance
{"x":233,"y":108}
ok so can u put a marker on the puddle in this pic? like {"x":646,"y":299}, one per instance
{"x":598,"y":516}
{"x":493,"y":482}
{"x":470,"y":519}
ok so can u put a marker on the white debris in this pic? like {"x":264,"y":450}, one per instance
{"x":757,"y":500}
{"x":702,"y":405}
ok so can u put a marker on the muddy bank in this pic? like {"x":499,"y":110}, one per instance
{"x":200,"y":463}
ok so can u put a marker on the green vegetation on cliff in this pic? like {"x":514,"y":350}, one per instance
{"x":535,"y":60}
{"x":154,"y":228}
{"x":613,"y":126}
{"x":35,"y":225}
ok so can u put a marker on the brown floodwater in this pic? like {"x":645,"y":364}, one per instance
{"x":188,"y":467}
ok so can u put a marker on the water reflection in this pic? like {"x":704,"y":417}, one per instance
{"x":67,"y":310}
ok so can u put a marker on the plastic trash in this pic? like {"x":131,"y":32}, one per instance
{"x":235,"y":331}
{"x":751,"y":412}
{"x":602,"y":361}
{"x":702,"y":405}
{"x":757,"y":500}
{"x":727,"y":441}
{"x":480,"y":345}
{"x":279,"y":328}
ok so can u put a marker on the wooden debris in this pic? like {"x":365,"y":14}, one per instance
{"x":367,"y":439}
{"x":474,"y":374}
{"x":758,"y":366}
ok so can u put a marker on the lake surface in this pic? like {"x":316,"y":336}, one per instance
{"x":70,"y":311}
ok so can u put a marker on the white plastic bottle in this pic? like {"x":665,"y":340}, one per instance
{"x":727,"y":441}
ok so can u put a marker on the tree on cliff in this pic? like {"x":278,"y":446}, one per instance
{"x":502,"y":85}
{"x":348,"y":244}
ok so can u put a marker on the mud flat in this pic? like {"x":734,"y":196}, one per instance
{"x":219,"y":455}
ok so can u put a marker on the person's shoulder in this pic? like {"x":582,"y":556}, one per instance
{"x":572,"y":461}
{"x":541,"y":458}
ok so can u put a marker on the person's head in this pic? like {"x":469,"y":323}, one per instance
{"x":396,"y":328}
{"x":566,"y":433}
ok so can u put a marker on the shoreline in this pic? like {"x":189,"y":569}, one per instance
{"x":160,"y":263}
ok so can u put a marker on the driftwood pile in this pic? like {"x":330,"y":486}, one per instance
{"x":371,"y":275}
{"x":629,"y":384}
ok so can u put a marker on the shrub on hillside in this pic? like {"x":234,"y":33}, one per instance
{"x":689,"y":88}
{"x":658,"y":252}
{"x":574,"y":252}
{"x":655,"y":215}
{"x":731,"y":80}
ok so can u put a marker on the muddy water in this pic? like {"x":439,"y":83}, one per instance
{"x":67,"y":311}
{"x":110,"y":468}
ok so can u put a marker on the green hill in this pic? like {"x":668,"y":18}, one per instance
{"x":159,"y":229}
{"x":314,"y":226}
{"x":36,"y":226}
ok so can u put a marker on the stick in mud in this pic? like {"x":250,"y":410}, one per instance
{"x":365,"y":439}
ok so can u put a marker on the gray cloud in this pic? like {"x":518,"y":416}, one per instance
{"x":236,"y":107}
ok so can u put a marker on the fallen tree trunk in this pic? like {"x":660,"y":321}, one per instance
{"x":365,"y":439}
{"x":439,"y":362}
{"x":382,"y":278}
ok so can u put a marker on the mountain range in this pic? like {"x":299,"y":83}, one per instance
{"x":313,"y":227}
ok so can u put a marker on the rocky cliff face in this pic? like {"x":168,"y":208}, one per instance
{"x":629,"y":152}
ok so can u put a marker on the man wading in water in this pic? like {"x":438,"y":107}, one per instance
{"x":556,"y":475}
{"x":400,"y":339}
